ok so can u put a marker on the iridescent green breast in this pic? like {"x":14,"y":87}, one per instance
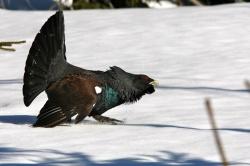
{"x":107,"y":99}
{"x":111,"y":97}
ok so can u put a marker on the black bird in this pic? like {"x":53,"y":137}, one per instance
{"x":72,"y":90}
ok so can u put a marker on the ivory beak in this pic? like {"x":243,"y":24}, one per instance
{"x":154,"y":83}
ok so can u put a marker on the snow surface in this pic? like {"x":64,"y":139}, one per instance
{"x":194,"y":52}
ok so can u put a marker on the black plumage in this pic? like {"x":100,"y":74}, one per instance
{"x":72,"y":90}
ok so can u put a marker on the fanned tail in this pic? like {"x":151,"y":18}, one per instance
{"x":46,"y":61}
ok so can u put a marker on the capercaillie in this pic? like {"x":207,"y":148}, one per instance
{"x":72,"y":90}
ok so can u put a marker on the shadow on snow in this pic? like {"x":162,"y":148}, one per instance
{"x":43,"y":157}
{"x":188,"y":128}
{"x":28,"y":119}
{"x":17,"y":119}
{"x":11,"y":81}
{"x":203,"y":88}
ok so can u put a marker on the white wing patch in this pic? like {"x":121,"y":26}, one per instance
{"x":98,"y":89}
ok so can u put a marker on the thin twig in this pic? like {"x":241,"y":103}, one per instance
{"x":7,"y":49}
{"x":216,"y":133}
{"x":7,"y":45}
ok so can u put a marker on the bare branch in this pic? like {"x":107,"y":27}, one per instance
{"x":216,"y":133}
{"x":7,"y":45}
{"x":7,"y":49}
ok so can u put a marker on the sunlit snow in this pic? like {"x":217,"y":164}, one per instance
{"x":194,"y":53}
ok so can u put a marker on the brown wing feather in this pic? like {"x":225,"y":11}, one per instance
{"x":68,"y":96}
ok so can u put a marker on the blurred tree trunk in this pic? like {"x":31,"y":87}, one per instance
{"x":189,"y":2}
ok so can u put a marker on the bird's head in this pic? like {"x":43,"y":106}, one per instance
{"x":144,"y":83}
{"x":132,"y":86}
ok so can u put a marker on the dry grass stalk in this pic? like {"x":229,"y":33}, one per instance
{"x":216,"y":133}
{"x":247,"y":83}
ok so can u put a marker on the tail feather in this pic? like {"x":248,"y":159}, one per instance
{"x":46,"y":61}
{"x":47,"y":107}
{"x":50,"y":116}
{"x":50,"y":120}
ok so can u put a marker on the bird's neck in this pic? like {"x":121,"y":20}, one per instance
{"x":128,"y":93}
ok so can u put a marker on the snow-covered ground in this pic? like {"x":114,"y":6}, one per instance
{"x":194,"y":52}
